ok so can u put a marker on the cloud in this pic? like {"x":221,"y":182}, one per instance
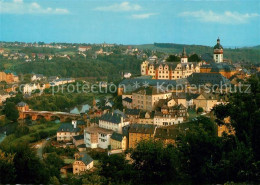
{"x":224,"y":18}
{"x":142,"y":16}
{"x":122,"y":7}
{"x":20,"y":7}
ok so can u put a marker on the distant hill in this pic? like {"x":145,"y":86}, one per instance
{"x":250,"y":54}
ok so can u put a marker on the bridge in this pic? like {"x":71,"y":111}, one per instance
{"x":48,"y":115}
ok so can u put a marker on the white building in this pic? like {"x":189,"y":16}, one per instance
{"x":62,"y":81}
{"x":95,"y":137}
{"x":114,"y":121}
{"x":30,"y":88}
{"x":67,"y":130}
{"x":127,"y":75}
{"x":36,"y":77}
{"x":165,"y":120}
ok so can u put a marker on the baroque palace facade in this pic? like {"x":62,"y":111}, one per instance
{"x":170,"y":70}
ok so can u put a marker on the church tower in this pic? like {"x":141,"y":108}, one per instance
{"x":218,"y":52}
{"x":184,"y":58}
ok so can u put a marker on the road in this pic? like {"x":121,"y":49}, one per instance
{"x":40,"y":146}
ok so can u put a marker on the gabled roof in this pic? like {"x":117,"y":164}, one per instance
{"x":21,"y":104}
{"x":80,"y":122}
{"x":204,"y":78}
{"x":208,"y":96}
{"x":78,"y":137}
{"x":132,"y":111}
{"x":142,"y":128}
{"x":149,"y":91}
{"x":117,"y":111}
{"x":127,"y":99}
{"x":85,"y":158}
{"x":117,"y":136}
{"x":191,"y":96}
{"x":111,"y":117}
{"x":68,"y":127}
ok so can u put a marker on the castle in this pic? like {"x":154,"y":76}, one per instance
{"x":173,"y":70}
{"x":169,"y":70}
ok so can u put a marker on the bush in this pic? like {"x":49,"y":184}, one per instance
{"x":200,"y":110}
{"x":43,"y":134}
{"x":21,"y":130}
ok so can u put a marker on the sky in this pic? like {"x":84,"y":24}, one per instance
{"x":200,"y":22}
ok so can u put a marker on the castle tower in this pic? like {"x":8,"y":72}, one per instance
{"x":218,"y":52}
{"x":184,"y":58}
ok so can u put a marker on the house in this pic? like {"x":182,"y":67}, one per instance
{"x":80,"y":123}
{"x":129,"y":85}
{"x":8,"y":76}
{"x":84,"y":48}
{"x":66,"y":131}
{"x":36,"y":77}
{"x":139,"y":132}
{"x":82,"y":163}
{"x":78,"y":140}
{"x":206,"y":101}
{"x":146,"y":98}
{"x":127,"y":75}
{"x":95,"y":137}
{"x":104,"y":136}
{"x":190,"y":100}
{"x":52,"y":78}
{"x":22,"y":106}
{"x":2,"y":50}
{"x":118,"y":141}
{"x":3,"y":96}
{"x":133,"y":114}
{"x":62,"y":81}
{"x":91,"y":136}
{"x":146,"y":118}
{"x":114,"y":121}
{"x":170,"y":115}
{"x":167,"y":134}
{"x":127,"y":102}
{"x":30,"y":88}
{"x":207,"y":78}
{"x":225,"y":69}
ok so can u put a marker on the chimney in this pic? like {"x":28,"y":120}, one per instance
{"x":74,"y":123}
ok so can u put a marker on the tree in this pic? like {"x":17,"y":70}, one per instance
{"x":115,"y":168}
{"x":54,"y":163}
{"x":244,"y":111}
{"x":54,"y":180}
{"x":7,"y":170}
{"x":194,"y":58}
{"x":11,"y":111}
{"x":21,"y":130}
{"x":199,"y":110}
{"x":154,"y":163}
{"x":29,"y":169}
{"x":173,"y":58}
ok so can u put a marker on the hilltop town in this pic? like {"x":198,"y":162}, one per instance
{"x":86,"y":109}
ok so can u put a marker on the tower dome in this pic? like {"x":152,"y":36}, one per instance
{"x":218,"y":45}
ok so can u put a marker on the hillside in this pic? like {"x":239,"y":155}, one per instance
{"x":250,"y":54}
